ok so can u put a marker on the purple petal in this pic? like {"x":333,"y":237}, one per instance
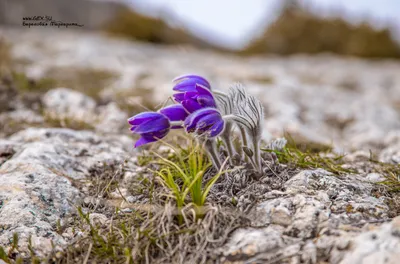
{"x":191,"y":95}
{"x":144,"y":140}
{"x":208,"y":120}
{"x":174,"y":112}
{"x":191,"y":121}
{"x":158,"y":134}
{"x":201,"y":89}
{"x":206,"y":101}
{"x":191,"y":105}
{"x":186,"y":76}
{"x":189,"y":85}
{"x":151,"y":137}
{"x":143,"y":117}
{"x":179,"y":97}
{"x":150,"y":126}
{"x":217,"y":128}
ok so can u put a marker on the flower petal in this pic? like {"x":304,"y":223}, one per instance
{"x":201,"y":89}
{"x":158,"y":134}
{"x":179,"y":97}
{"x":217,"y":128}
{"x":208,"y":120}
{"x":150,"y":126}
{"x":191,"y":105}
{"x":174,"y":112}
{"x":186,"y":76}
{"x":206,"y":101}
{"x":188,"y":85}
{"x":191,"y":121}
{"x":143,"y":117}
{"x":144,"y":140}
{"x":151,"y":137}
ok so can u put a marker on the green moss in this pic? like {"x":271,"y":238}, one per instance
{"x":390,"y":171}
{"x":305,"y":145}
{"x":310,"y":155}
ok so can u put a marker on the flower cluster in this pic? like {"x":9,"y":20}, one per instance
{"x":206,"y":114}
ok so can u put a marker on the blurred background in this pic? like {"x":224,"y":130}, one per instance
{"x":361,"y":28}
{"x":326,"y":70}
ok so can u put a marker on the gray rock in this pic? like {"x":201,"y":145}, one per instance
{"x":391,"y":154}
{"x":40,"y":178}
{"x":318,"y":212}
{"x":374,"y":177}
{"x":377,"y":246}
{"x":63,"y":103}
{"x":111,"y":119}
{"x":68,"y":105}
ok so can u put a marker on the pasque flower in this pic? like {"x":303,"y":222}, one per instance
{"x":151,"y":126}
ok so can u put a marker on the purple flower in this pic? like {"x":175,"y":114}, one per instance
{"x":175,"y":112}
{"x":194,"y":100}
{"x":187,"y":83}
{"x":151,"y":126}
{"x":205,"y":121}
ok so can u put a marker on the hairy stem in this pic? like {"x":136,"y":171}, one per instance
{"x":226,"y":138}
{"x":211,"y":148}
{"x":218,"y":92}
{"x":176,"y":123}
{"x":244,"y":142}
{"x":257,"y":155}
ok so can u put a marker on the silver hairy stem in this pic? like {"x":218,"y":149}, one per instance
{"x":226,"y":137}
{"x":211,"y":148}
{"x":257,"y":155}
{"x":244,"y":142}
{"x":176,"y":123}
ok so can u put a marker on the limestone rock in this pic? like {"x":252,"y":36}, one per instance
{"x":40,"y":178}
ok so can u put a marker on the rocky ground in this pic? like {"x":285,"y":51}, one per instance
{"x":65,"y":145}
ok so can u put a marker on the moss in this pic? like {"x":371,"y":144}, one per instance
{"x":310,"y":155}
{"x":298,"y":30}
{"x":390,"y":171}
{"x":305,"y":145}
